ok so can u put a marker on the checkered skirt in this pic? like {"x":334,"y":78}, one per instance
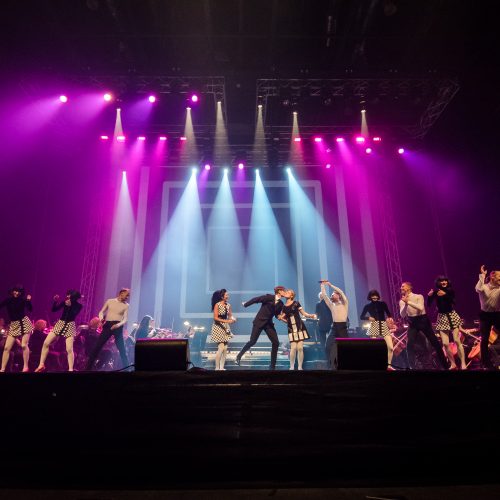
{"x":448,"y":321}
{"x":221,"y":332}
{"x":20,"y":327}
{"x":378,"y":329}
{"x":65,"y":328}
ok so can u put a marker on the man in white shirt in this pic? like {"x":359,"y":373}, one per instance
{"x":489,"y":298}
{"x":113,"y":316}
{"x":411,"y":307}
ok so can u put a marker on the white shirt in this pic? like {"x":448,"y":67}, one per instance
{"x":489,"y":296}
{"x":115,"y":310}
{"x":414,"y":307}
{"x":339,"y":309}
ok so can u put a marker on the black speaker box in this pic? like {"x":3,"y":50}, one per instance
{"x":161,"y":354}
{"x":359,"y":354}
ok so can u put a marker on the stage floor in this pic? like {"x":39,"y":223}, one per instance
{"x":204,"y":428}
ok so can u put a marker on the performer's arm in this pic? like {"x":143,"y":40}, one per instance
{"x":306,"y":314}
{"x":430,"y":297}
{"x":386,"y":310}
{"x":57,"y":305}
{"x":216,"y":315}
{"x":324,"y":295}
{"x":480,"y":285}
{"x":122,"y":322}
{"x":342,"y":294}
{"x":418,"y":304}
{"x":364,"y":313}
{"x":254,"y":300}
{"x":403,"y":309}
{"x":103,"y":310}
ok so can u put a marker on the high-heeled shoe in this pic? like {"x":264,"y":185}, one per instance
{"x":40,"y":369}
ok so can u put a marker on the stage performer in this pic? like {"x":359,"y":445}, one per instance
{"x":297,"y":332}
{"x":411,"y":306}
{"x":447,"y":320}
{"x":339,"y":309}
{"x":324,"y":324}
{"x":489,"y":298}
{"x":221,"y":331}
{"x":115,"y":312}
{"x":377,"y":312}
{"x":65,"y":327}
{"x":271,"y":307}
{"x":20,"y":325}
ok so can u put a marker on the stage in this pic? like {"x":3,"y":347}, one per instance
{"x":205,"y":429}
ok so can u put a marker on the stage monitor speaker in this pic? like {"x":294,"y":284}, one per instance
{"x":161,"y":355}
{"x":360,"y":354}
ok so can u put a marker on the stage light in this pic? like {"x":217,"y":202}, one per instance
{"x":226,"y":170}
{"x":152,"y":98}
{"x":289,"y":170}
{"x":368,"y":151}
{"x":257,"y":171}
{"x":120,"y":138}
{"x":328,"y":165}
{"x":194,"y":170}
{"x":63,"y":98}
{"x":194,"y":98}
{"x":207,"y":166}
{"x":163,"y":137}
{"x":141,"y":138}
{"x":259,"y":106}
{"x":377,"y":139}
{"x":107,"y":97}
{"x":318,"y":139}
{"x":295,"y":112}
{"x":363,"y":111}
{"x":360,"y":140}
{"x":104,"y":137}
{"x":297,"y":139}
{"x":401,"y":151}
{"x":339,"y":139}
{"x":241,"y":166}
{"x":183,"y":138}
{"x":124,"y":174}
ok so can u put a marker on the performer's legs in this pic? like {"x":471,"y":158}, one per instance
{"x":460,"y":348}
{"x":410,"y":346}
{"x":26,"y":351}
{"x":118,"y":333}
{"x":300,"y":354}
{"x":390,"y":348}
{"x":275,"y":343}
{"x":218,"y":355}
{"x":69,"y":351}
{"x":486,"y":321}
{"x":254,"y":336}
{"x":446,"y":344}
{"x":293,"y":354}
{"x":223,"y":357}
{"x":322,"y":337}
{"x":101,"y":340}
{"x":45,"y":350}
{"x":340,"y":330}
{"x":426,"y":329}
{"x":330,"y":350}
{"x":9,"y":343}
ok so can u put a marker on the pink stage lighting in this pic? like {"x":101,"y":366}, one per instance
{"x":152,"y":98}
{"x":339,"y":139}
{"x":207,"y":166}
{"x":120,"y":138}
{"x":401,"y":151}
{"x":104,"y":137}
{"x":194,"y":98}
{"x":163,"y":137}
{"x":328,"y":165}
{"x":141,"y":138}
{"x":368,"y":151}
{"x":318,"y":139}
{"x":377,"y":139}
{"x":241,"y":166}
{"x":63,"y":98}
{"x":360,"y":140}
{"x":297,"y":139}
{"x":107,"y":97}
{"x":184,"y":138}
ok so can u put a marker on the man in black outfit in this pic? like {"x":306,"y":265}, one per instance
{"x":271,"y":306}
{"x":324,"y":324}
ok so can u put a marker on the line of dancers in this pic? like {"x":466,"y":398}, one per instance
{"x":114,"y":315}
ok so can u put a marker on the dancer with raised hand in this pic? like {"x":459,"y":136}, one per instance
{"x":271,"y":307}
{"x":489,"y":298}
{"x":221,"y":331}
{"x":297,"y":331}
{"x":377,"y":312}
{"x":447,"y":320}
{"x":20,"y":325}
{"x":65,"y":327}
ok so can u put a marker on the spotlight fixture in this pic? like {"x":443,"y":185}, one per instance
{"x":194,"y":98}
{"x":297,"y":139}
{"x":120,"y":138}
{"x":328,"y":165}
{"x":163,"y":137}
{"x":377,"y":139}
{"x":141,"y":138}
{"x":104,"y":137}
{"x":241,"y":166}
{"x":401,"y":151}
{"x":194,"y":170}
{"x":107,"y":97}
{"x":226,"y":170}
{"x":360,"y":140}
{"x":339,"y":139}
{"x":152,"y":98}
{"x":63,"y":98}
{"x":289,"y":170}
{"x":318,"y":139}
{"x":207,"y":166}
{"x":183,"y":138}
{"x":368,"y":151}
{"x":363,"y":111}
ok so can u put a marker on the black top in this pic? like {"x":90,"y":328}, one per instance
{"x":293,"y":310}
{"x":377,"y":310}
{"x":16,"y":307}
{"x":69,"y":312}
{"x":324,"y":315}
{"x":267,"y":310}
{"x":445,"y":303}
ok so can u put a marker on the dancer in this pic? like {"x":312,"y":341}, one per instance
{"x":116,"y":313}
{"x":297,"y":331}
{"x":20,"y":325}
{"x":411,"y":306}
{"x":339,"y":309}
{"x":324,"y":324}
{"x":489,"y":298}
{"x":65,"y":327}
{"x":271,"y":307}
{"x":447,"y":320}
{"x":221,"y":331}
{"x":381,"y":321}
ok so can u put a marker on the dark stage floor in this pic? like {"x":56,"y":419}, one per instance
{"x":248,"y":429}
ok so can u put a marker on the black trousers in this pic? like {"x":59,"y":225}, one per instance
{"x":103,"y":338}
{"x":254,"y":336}
{"x":486,"y":321}
{"x":422,"y":324}
{"x":321,"y":336}
{"x":339,"y":330}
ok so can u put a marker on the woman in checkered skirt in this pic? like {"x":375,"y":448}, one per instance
{"x":221,"y":331}
{"x":65,"y":327}
{"x":380,"y":319}
{"x":20,"y":325}
{"x":447,"y":320}
{"x":297,"y":331}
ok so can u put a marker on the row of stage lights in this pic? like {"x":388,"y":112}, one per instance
{"x":108,"y":97}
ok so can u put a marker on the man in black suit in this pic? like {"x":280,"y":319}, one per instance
{"x":324,"y":324}
{"x":271,"y":306}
